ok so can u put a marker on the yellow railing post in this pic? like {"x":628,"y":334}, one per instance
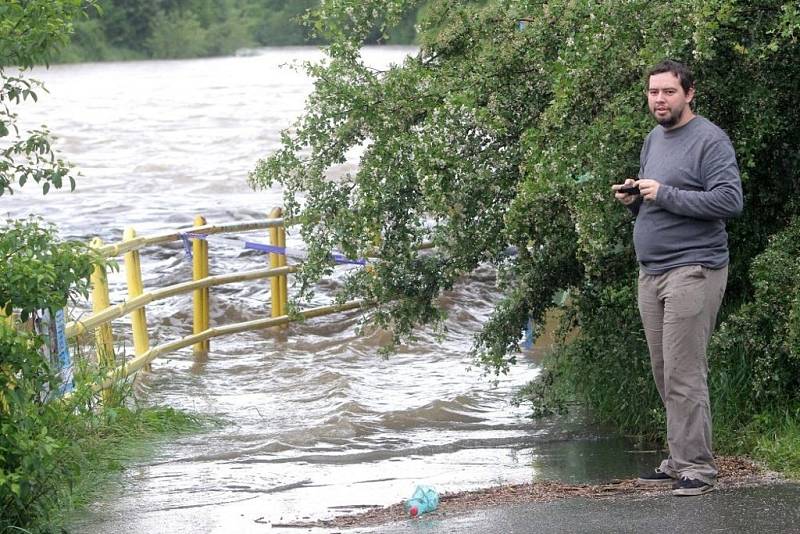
{"x":283,"y":279}
{"x":276,"y":293}
{"x":201,"y":296}
{"x":104,"y":340}
{"x":133,"y":274}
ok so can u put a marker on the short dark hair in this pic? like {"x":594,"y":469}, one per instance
{"x":677,"y":68}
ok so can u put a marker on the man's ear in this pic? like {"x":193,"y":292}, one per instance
{"x":690,"y":95}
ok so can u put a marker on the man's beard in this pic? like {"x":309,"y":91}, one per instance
{"x":670,"y":120}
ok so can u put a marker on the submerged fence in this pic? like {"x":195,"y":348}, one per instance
{"x":194,"y":239}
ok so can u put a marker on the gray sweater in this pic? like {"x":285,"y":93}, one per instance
{"x":700,"y":188}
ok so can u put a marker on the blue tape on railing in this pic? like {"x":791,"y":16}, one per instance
{"x":263,"y":247}
{"x":187,"y":246}
{"x":341,"y":258}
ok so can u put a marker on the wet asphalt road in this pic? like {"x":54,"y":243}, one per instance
{"x":758,"y":510}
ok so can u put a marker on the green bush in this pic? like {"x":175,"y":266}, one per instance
{"x":175,"y":35}
{"x":226,"y":37}
{"x":759,"y":339}
{"x":29,"y":452}
{"x":37,"y":271}
{"x":57,"y":454}
{"x":89,"y":43}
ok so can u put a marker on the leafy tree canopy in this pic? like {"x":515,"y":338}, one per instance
{"x":30,"y":32}
{"x":507,"y":129}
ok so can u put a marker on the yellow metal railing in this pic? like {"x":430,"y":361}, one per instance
{"x":103,"y":312}
{"x":199,"y":272}
{"x":104,"y":341}
{"x":133,"y":272}
{"x":139,"y":362}
{"x":116,"y":311}
{"x":209,"y":229}
{"x":277,"y":237}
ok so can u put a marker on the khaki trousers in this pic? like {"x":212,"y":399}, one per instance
{"x":679,"y":309}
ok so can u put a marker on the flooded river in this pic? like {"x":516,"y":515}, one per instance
{"x":315,"y":422}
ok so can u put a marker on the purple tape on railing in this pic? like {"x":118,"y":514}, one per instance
{"x":192,"y":235}
{"x":341,"y":258}
{"x":187,"y":247}
{"x":338,"y":258}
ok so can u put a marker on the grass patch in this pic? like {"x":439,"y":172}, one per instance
{"x":779,"y":445}
{"x":59,"y":453}
{"x":772,"y":438}
{"x":121,"y":437}
{"x":99,"y":445}
{"x":744,"y":424}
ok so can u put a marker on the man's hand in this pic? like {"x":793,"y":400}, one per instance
{"x":625,"y":198}
{"x":648,"y":188}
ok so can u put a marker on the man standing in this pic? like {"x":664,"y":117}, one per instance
{"x":688,"y":185}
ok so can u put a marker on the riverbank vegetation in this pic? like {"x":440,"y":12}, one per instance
{"x":507,"y":129}
{"x":56,"y":451}
{"x":58,"y":455}
{"x":164,"y":29}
